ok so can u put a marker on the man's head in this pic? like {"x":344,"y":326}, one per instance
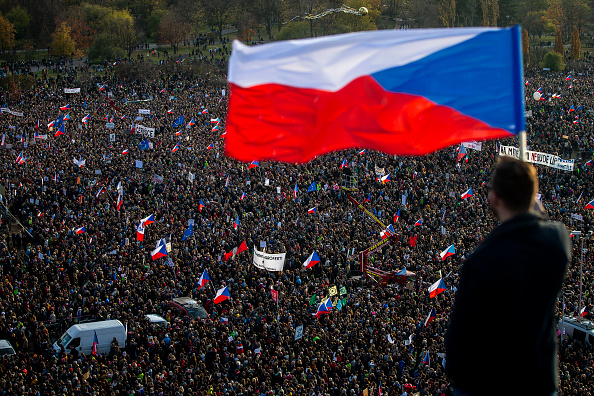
{"x":513,"y":187}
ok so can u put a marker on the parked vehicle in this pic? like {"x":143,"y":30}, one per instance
{"x":82,"y":336}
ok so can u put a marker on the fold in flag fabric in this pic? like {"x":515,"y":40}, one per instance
{"x":222,"y":295}
{"x":418,"y":90}
{"x":467,"y":194}
{"x":385,"y":179}
{"x":312,"y":260}
{"x":431,"y":317}
{"x":64,"y":108}
{"x":396,"y":217}
{"x":205,"y":111}
{"x":80,"y":230}
{"x":437,"y":288}
{"x":147,"y":220}
{"x":160,"y":251}
{"x":188,"y":233}
{"x":204,"y":279}
{"x":253,"y":164}
{"x":140,"y":232}
{"x":590,"y":205}
{"x":313,"y":210}
{"x":322,"y":309}
{"x":344,"y":164}
{"x":214,"y":120}
{"x":449,"y":251}
{"x":419,"y":222}
{"x":201,"y":205}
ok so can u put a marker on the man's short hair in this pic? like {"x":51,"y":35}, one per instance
{"x":515,"y":183}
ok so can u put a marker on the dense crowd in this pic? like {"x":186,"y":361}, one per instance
{"x":52,"y":277}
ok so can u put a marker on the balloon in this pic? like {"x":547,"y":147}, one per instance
{"x":536,"y":95}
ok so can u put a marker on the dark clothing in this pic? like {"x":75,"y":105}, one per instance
{"x":501,"y":338}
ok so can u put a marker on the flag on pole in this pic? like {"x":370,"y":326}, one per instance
{"x":462,"y":153}
{"x":313,"y":210}
{"x":431,"y":317}
{"x":95,"y":343}
{"x":191,"y":123}
{"x":140,"y":232}
{"x":188,"y":233}
{"x":204,"y":279}
{"x":160,"y":251}
{"x":426,"y":359}
{"x":467,"y":194}
{"x":312,"y":260}
{"x":201,"y":205}
{"x":125,"y":151}
{"x":295,"y":191}
{"x":20,"y":159}
{"x":236,"y":223}
{"x":437,"y":288}
{"x":175,"y":148}
{"x":396,"y":217}
{"x":362,"y":152}
{"x":253,"y":164}
{"x":243,"y":196}
{"x":579,"y":198}
{"x":368,"y":198}
{"x":60,"y":131}
{"x":385,"y":179}
{"x":179,"y":121}
{"x":147,"y":220}
{"x":313,"y":187}
{"x":590,"y":205}
{"x":415,"y":88}
{"x":222,"y":295}
{"x":419,"y":223}
{"x":80,"y":230}
{"x":449,"y":251}
{"x":65,"y":108}
{"x":344,"y":164}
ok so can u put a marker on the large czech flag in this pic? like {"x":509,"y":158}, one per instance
{"x":204,"y":279}
{"x":160,"y":251}
{"x":403,"y":92}
{"x":312,"y":260}
{"x":437,"y":288}
{"x":449,"y":251}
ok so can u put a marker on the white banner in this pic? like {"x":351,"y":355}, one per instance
{"x":577,"y":216}
{"x":12,"y":112}
{"x":144,"y":111}
{"x":145,"y":131}
{"x":478,"y":146}
{"x":269,"y":262}
{"x":71,"y":90}
{"x":535,"y":157}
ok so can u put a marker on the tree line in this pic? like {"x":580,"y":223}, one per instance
{"x":109,"y":29}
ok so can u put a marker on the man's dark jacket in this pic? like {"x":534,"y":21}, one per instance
{"x":501,"y":335}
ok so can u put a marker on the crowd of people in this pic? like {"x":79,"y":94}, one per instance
{"x":53,"y":277}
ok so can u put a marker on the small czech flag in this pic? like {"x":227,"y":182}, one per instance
{"x":64,"y":108}
{"x":125,"y":152}
{"x":210,"y":146}
{"x":449,"y":251}
{"x":174,"y":149}
{"x":147,"y":220}
{"x":204,"y":279}
{"x":201,"y":205}
{"x":362,"y":152}
{"x":222,"y":295}
{"x":243,"y":195}
{"x":385,"y":179}
{"x":205,"y":111}
{"x":313,"y":210}
{"x":419,"y":222}
{"x":431,"y":317}
{"x":312,"y":260}
{"x":437,"y":288}
{"x":396,"y":217}
{"x":214,"y":120}
{"x":590,"y":205}
{"x":467,"y":194}
{"x":80,"y":230}
{"x":253,"y":164}
{"x":344,"y":164}
{"x":236,"y":223}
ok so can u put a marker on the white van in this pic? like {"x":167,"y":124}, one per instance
{"x":81,"y":337}
{"x":577,"y":328}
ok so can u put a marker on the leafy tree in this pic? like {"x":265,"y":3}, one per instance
{"x":20,"y":19}
{"x":447,"y":12}
{"x":357,"y":23}
{"x":62,"y":43}
{"x":152,"y":26}
{"x":558,"y":48}
{"x":576,"y":45}
{"x":105,"y":46}
{"x":173,"y":28}
{"x":525,"y":45}
{"x":80,"y":31}
{"x":468,"y":11}
{"x":120,"y":24}
{"x":7,"y":34}
{"x":294,"y":30}
{"x":216,"y":13}
{"x":490,"y":9}
{"x":553,"y":61}
{"x":537,"y":23}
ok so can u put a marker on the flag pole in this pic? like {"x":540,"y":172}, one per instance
{"x":522,"y":144}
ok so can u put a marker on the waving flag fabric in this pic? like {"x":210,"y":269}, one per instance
{"x":396,"y":217}
{"x":437,"y":287}
{"x":385,"y":179}
{"x":387,"y":232}
{"x":80,"y":230}
{"x":431,"y":317}
{"x":64,"y":108}
{"x":175,"y":148}
{"x":253,"y":164}
{"x":344,"y":164}
{"x":95,"y":343}
{"x":313,"y":210}
{"x":467,"y":194}
{"x":204,"y":279}
{"x":60,"y":131}
{"x":462,"y":153}
{"x":201,"y":205}
{"x":419,"y":222}
{"x":179,"y":121}
{"x":295,"y":191}
{"x":312,"y":260}
{"x":160,"y":251}
{"x":222,"y":295}
{"x":590,"y":205}
{"x":449,"y":251}
{"x":236,"y":223}
{"x":20,"y":159}
{"x":148,"y":220}
{"x":140,"y":232}
{"x":188,"y":233}
{"x":415,"y":92}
